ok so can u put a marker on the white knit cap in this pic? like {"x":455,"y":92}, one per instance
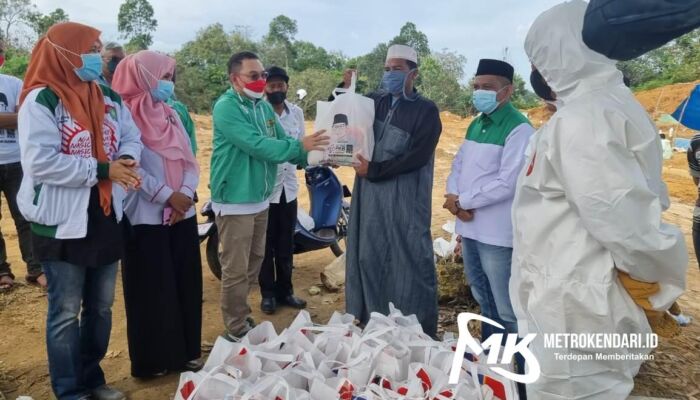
{"x":402,"y":51}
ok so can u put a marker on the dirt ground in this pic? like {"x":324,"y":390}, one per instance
{"x":675,"y":372}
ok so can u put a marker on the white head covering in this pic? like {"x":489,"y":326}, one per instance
{"x":402,"y":51}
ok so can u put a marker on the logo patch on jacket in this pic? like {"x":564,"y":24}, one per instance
{"x":77,"y":141}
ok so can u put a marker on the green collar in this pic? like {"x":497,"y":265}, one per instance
{"x":501,"y":114}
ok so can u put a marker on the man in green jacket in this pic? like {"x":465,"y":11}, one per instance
{"x":249,"y":142}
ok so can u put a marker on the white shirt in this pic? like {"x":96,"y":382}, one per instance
{"x":10,"y":89}
{"x":484,"y":177}
{"x":240,"y":209}
{"x":292,"y":120}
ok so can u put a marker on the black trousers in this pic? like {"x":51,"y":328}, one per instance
{"x":276,"y":272}
{"x":162,"y":277}
{"x":10,"y":180}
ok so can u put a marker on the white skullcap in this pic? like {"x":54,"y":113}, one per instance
{"x":402,"y":51}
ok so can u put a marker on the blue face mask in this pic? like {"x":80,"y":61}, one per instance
{"x":394,"y":81}
{"x":163,"y":90}
{"x":485,"y":100}
{"x":91,"y":69}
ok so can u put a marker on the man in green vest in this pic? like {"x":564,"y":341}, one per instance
{"x":481,"y":188}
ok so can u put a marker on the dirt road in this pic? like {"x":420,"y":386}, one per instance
{"x":23,"y":367}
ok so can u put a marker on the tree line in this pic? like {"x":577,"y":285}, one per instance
{"x":202,"y":76}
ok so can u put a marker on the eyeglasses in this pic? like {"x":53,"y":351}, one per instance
{"x":254,"y":76}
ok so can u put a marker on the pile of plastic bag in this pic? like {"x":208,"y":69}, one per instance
{"x":390,"y":359}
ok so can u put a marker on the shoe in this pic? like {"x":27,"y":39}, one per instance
{"x":105,"y":392}
{"x":237,"y":336}
{"x":268,"y":305}
{"x":194,"y":365}
{"x":293,"y":301}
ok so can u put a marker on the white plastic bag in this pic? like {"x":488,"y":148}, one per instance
{"x":348,"y":121}
{"x":443,"y":248}
{"x":214,"y":385}
{"x":305,"y":219}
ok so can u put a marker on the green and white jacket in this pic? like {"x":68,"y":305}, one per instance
{"x":59,"y":168}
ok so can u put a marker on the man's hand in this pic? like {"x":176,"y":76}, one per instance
{"x":362,"y":166}
{"x":347,"y":77}
{"x":465,"y":215}
{"x":176,"y":217}
{"x":316,"y":141}
{"x":180,"y":202}
{"x":124,"y":173}
{"x":451,"y":203}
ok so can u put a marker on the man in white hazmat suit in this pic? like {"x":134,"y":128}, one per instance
{"x":588,"y":205}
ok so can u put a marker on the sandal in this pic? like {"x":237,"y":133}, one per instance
{"x":7,"y":282}
{"x":38,"y":280}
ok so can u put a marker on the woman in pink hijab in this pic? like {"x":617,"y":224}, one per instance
{"x":161,"y":269}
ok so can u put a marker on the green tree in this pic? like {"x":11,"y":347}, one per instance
{"x":202,"y":74}
{"x":278,"y":44}
{"x":136,"y":23}
{"x":282,"y":29}
{"x":678,"y":61}
{"x":318,"y":83}
{"x":523,"y":98}
{"x":16,"y":63}
{"x":440,"y":75}
{"x":308,"y":55}
{"x":41,"y":23}
{"x":411,"y":36}
{"x":12,"y":12}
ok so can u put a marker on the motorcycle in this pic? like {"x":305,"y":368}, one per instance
{"x":324,"y":227}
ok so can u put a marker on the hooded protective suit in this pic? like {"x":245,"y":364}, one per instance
{"x":588,"y":203}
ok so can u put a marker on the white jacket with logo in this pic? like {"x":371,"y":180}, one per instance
{"x":59,"y":168}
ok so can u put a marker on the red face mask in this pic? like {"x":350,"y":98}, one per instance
{"x":256,"y":86}
{"x":255,"y":89}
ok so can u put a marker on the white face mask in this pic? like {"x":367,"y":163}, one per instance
{"x":252,"y":94}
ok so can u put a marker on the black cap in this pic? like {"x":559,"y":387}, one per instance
{"x":277,"y":72}
{"x":340,"y":118}
{"x":495,"y":67}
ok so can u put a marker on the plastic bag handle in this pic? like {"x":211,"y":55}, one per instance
{"x":209,"y":376}
{"x":266,"y":383}
{"x":273,"y":356}
{"x":351,"y":89}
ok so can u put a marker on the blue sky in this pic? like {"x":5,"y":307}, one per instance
{"x":475,"y":28}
